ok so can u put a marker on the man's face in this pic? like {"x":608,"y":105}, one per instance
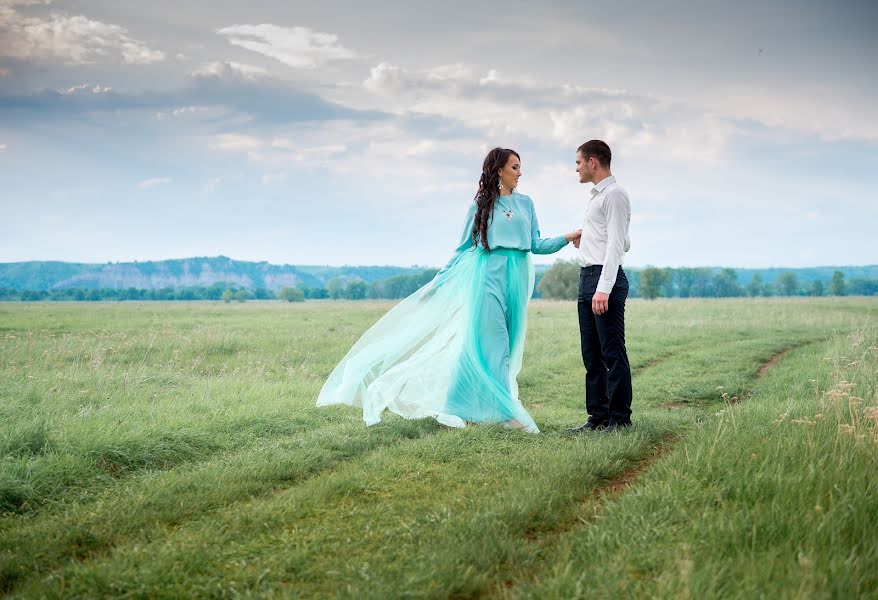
{"x":585,"y":168}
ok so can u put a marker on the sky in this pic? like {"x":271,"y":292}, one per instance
{"x":345,"y":133}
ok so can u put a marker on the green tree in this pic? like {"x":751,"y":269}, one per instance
{"x":291,"y":294}
{"x":837,"y":286}
{"x":561,"y":281}
{"x":816,"y":288}
{"x":726,"y":284}
{"x":861,"y":287}
{"x":355,"y":290}
{"x":335,"y":287}
{"x":651,"y":282}
{"x":788,"y":284}
{"x":693,"y":282}
{"x":754,"y":288}
{"x":242,"y":295}
{"x":228,"y":296}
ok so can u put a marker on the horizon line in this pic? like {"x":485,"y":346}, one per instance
{"x":416,"y":266}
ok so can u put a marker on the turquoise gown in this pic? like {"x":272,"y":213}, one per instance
{"x":453,"y":349}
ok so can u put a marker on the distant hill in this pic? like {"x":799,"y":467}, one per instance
{"x":185,"y":272}
{"x":206,"y":271}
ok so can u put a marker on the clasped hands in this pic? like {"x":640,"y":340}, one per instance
{"x":575,"y":237}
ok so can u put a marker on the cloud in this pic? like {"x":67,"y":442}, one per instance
{"x":385,"y":78}
{"x":523,"y":109}
{"x":147,"y":184}
{"x":455,"y":72}
{"x":235,"y":142}
{"x":182,"y":111}
{"x":221,"y":92}
{"x":87,"y":88}
{"x":230,"y":68}
{"x":298,"y":47}
{"x":2,"y":147}
{"x":393,"y":155}
{"x":73,"y":39}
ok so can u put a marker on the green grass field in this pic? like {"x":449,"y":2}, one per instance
{"x":174,"y":450}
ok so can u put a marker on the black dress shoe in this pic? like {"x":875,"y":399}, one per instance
{"x":616,"y":426}
{"x":588,"y":426}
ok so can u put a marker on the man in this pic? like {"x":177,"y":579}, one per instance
{"x":603,"y":289}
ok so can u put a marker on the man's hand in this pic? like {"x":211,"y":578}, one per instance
{"x":574,"y":236}
{"x":600,"y":303}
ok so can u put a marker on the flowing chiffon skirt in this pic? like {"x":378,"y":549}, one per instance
{"x":452,"y":350}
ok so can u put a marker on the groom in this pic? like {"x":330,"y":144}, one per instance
{"x":603,"y":289}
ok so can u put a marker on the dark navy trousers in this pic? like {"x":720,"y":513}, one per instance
{"x":608,"y":375}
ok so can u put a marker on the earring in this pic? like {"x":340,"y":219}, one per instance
{"x":500,"y":186}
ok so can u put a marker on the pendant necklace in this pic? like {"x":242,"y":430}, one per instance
{"x":506,"y":213}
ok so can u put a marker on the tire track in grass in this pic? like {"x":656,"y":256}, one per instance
{"x":613,"y":487}
{"x":781,"y":354}
{"x":610,"y":488}
{"x":709,"y":400}
{"x":92,"y":529}
{"x":403,"y":516}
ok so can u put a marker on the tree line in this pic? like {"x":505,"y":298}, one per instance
{"x":337,"y":288}
{"x":561,"y":282}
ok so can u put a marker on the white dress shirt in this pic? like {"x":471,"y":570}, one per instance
{"x":605,"y":231}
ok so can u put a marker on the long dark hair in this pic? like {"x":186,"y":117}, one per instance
{"x":489,"y":184}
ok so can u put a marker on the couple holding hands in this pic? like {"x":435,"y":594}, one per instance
{"x":453,"y":349}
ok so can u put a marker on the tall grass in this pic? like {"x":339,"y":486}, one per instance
{"x":174,"y":449}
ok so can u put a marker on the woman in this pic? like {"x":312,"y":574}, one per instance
{"x":453,"y":349}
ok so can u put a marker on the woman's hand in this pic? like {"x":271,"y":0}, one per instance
{"x":574,"y":236}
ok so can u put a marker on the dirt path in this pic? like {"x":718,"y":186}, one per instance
{"x":591,"y":504}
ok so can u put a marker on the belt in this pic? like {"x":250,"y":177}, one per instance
{"x":592,"y":269}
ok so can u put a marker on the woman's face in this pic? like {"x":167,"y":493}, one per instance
{"x":510,"y":173}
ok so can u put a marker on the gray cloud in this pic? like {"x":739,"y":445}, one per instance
{"x":71,"y":39}
{"x":297,"y":47}
{"x":259,"y":100}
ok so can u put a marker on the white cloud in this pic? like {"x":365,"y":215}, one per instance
{"x":826,"y":112}
{"x":386,"y":78}
{"x":229,"y":68}
{"x":86,"y":88}
{"x":235,"y":142}
{"x":523,"y":109}
{"x":297,"y":47}
{"x":147,"y":184}
{"x":387,"y":154}
{"x":2,"y":147}
{"x":455,"y":72}
{"x":74,"y":39}
{"x":308,"y":153}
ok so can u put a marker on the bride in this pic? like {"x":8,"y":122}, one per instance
{"x":453,"y":349}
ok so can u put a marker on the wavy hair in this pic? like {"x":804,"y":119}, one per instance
{"x":485,"y":198}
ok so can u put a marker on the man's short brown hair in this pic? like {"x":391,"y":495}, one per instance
{"x":599,"y":150}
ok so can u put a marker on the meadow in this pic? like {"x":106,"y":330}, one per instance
{"x":174,"y":450}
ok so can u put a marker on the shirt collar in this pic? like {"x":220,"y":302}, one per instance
{"x":602,"y":185}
